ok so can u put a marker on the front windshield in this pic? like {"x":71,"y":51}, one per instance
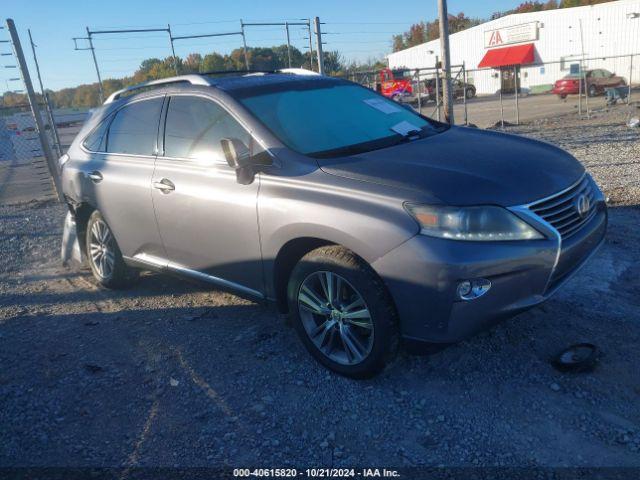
{"x":335,"y":118}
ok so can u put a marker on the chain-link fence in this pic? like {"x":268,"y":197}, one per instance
{"x":29,"y":143}
{"x":512,"y":94}
{"x":24,"y":173}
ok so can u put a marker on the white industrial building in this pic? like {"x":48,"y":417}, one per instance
{"x":541,"y":46}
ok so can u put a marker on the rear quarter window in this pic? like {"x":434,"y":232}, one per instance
{"x":96,"y":141}
{"x":134,"y":128}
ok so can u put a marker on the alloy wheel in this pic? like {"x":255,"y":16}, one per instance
{"x":336,"y":317}
{"x":102,"y":249}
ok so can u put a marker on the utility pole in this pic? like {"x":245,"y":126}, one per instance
{"x":316,"y":22}
{"x":35,"y":110}
{"x":286,"y":27}
{"x":95,"y":62}
{"x":244,"y":45}
{"x":173,"y":51}
{"x":311,"y":47}
{"x":45,"y":97}
{"x":446,"y":60}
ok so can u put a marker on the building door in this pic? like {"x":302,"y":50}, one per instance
{"x":510,"y":76}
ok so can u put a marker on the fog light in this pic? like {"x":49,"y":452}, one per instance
{"x":472,"y":289}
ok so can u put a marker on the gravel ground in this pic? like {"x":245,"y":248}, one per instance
{"x":604,"y":144}
{"x":143,"y":377}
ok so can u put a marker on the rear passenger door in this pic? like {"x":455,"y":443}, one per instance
{"x":117,"y":178}
{"x":207,"y":220}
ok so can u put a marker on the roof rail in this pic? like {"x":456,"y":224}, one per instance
{"x":192,"y":79}
{"x":291,"y":71}
{"x":236,"y":72}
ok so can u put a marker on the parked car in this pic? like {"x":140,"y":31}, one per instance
{"x":597,"y":81}
{"x":370,"y":225}
{"x":459,"y":89}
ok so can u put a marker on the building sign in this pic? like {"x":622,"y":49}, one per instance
{"x":525,"y":32}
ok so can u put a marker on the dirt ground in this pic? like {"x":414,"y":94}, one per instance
{"x":172,"y":374}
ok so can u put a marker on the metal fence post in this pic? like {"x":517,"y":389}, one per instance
{"x":630,"y":78}
{"x":419,"y":93}
{"x":437,"y":90}
{"x":33,"y":101}
{"x":515,"y":79}
{"x":501,"y":106}
{"x":45,"y":97}
{"x":464,"y":93}
{"x":580,"y":80}
{"x":586,"y":96}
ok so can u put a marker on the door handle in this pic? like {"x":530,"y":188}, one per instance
{"x":165,"y":185}
{"x":95,"y":176}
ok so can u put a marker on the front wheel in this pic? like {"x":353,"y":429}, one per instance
{"x":105,"y":258}
{"x":593,"y":91}
{"x":470,"y":93}
{"x":342,"y":312}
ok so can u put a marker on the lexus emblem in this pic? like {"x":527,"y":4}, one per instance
{"x":582,"y":205}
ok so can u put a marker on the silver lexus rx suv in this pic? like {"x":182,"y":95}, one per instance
{"x":370,"y":225}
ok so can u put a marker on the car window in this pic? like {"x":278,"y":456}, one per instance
{"x":96,"y":141}
{"x":606,"y":73}
{"x":195,"y":126}
{"x":134,"y":129}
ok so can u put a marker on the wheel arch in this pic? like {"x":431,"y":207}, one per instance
{"x":291,"y":253}
{"x":81,"y":214}
{"x":285,"y":261}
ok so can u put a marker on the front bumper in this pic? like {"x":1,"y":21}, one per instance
{"x":423,"y":273}
{"x":564,"y":90}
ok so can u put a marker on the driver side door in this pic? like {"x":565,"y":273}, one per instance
{"x":207,"y":221}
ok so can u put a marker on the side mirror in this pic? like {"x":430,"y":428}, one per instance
{"x":236,"y":153}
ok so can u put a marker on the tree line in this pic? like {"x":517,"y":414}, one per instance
{"x":260,"y":58}
{"x":423,"y":32}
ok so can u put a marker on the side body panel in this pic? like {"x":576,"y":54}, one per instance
{"x":209,"y":222}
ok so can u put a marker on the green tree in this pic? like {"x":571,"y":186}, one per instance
{"x":192,"y":63}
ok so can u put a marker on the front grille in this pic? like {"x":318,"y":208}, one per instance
{"x":561,"y":210}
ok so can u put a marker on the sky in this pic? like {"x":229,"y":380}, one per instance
{"x":359,"y":29}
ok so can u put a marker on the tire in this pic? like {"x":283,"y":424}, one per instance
{"x":470,"y":93}
{"x":562,"y":96}
{"x":356,"y":347}
{"x":593,"y":91}
{"x":104,"y":255}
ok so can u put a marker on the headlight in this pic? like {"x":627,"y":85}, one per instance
{"x":481,"y":224}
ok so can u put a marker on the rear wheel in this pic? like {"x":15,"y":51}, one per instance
{"x":105,"y":258}
{"x":593,"y":91}
{"x":342,"y":312}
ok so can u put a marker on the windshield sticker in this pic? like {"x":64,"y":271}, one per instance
{"x":405,"y":128}
{"x":382,"y":105}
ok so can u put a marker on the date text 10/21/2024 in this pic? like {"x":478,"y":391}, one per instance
{"x":317,"y":472}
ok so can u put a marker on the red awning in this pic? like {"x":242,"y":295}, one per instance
{"x":500,"y":57}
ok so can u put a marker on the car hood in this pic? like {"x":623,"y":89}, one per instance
{"x":466,"y":166}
